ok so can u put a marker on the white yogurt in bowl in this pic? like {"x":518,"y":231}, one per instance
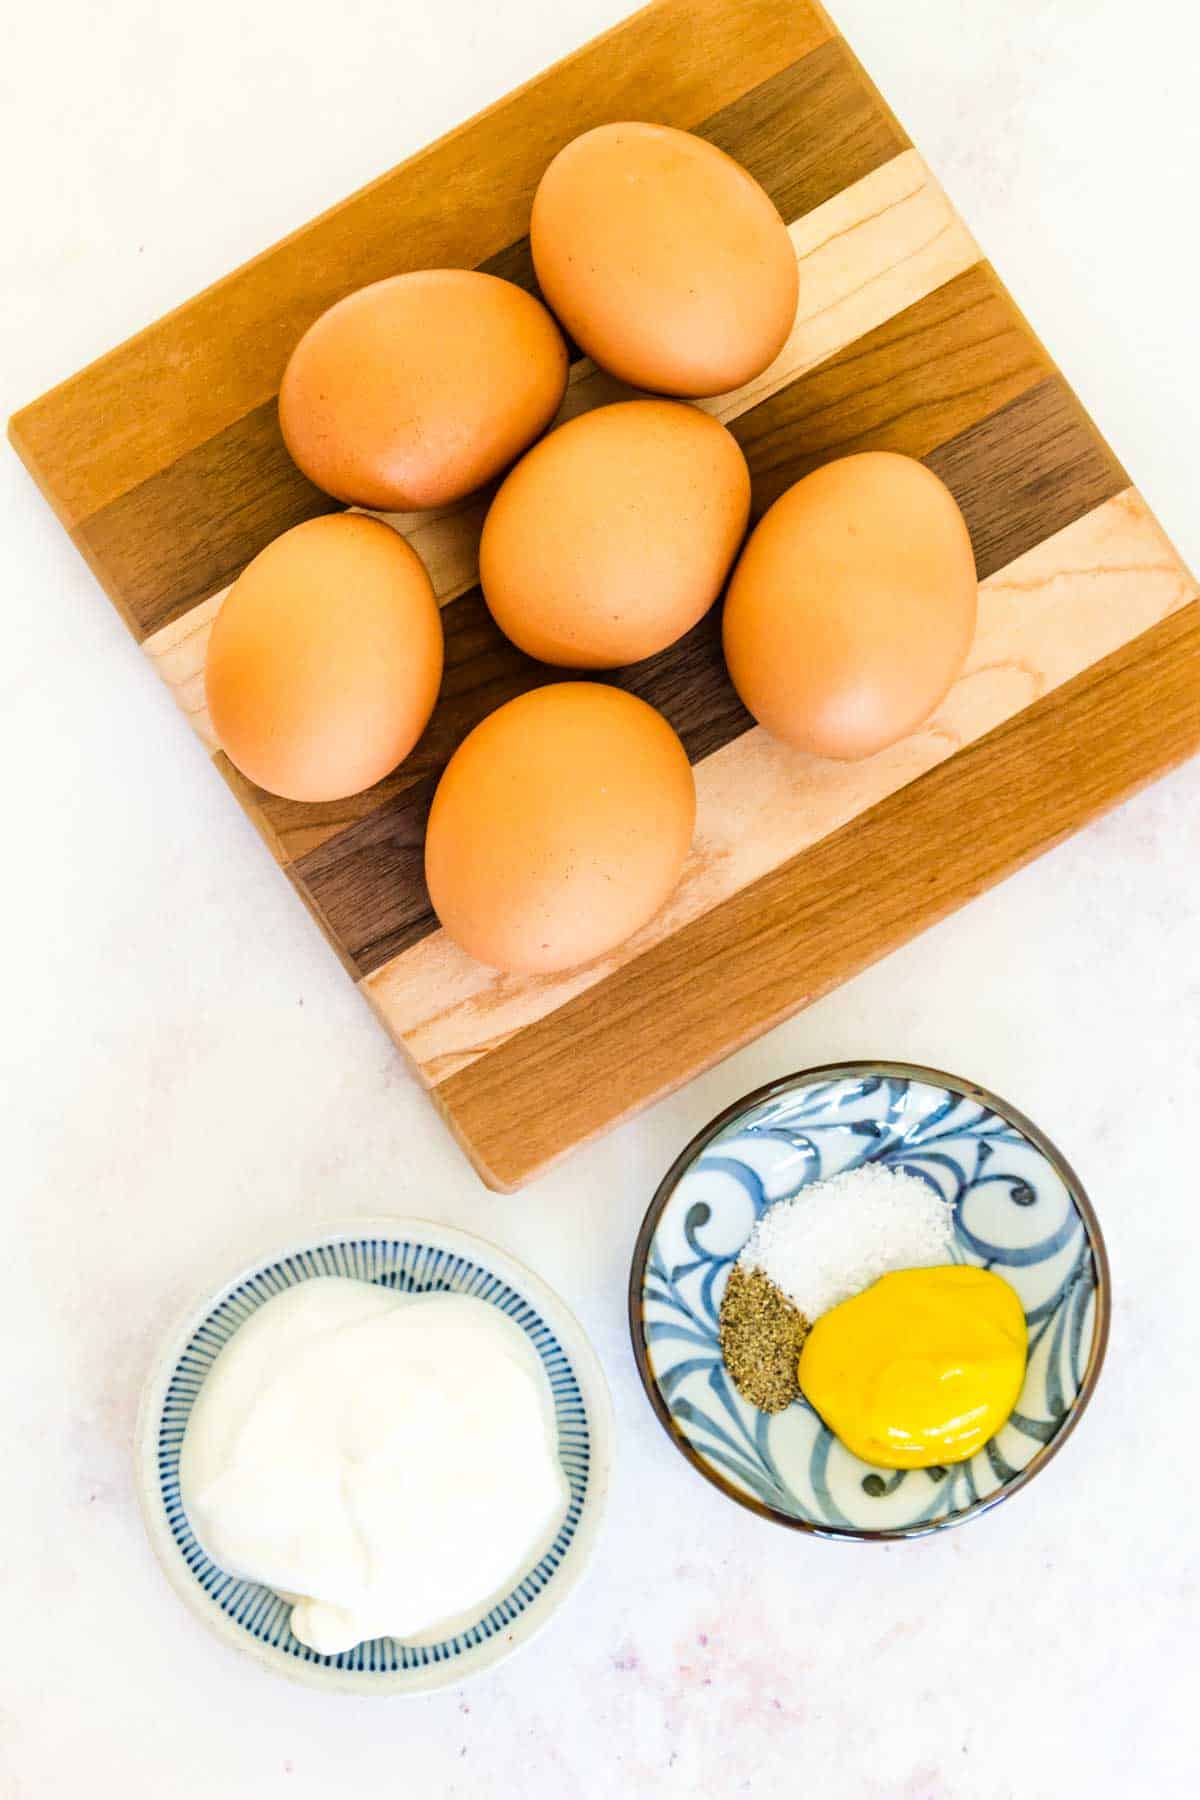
{"x":388,"y":1461}
{"x":377,"y":1460}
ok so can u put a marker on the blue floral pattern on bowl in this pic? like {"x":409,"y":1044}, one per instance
{"x":1018,"y":1209}
{"x":425,"y":1259}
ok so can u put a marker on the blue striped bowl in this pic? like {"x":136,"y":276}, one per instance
{"x":411,"y":1256}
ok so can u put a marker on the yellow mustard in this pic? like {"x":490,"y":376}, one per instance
{"x":922,"y":1367}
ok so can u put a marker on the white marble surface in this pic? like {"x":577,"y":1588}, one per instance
{"x":185,"y":1071}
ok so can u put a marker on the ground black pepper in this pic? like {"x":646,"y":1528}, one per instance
{"x":761,"y":1335}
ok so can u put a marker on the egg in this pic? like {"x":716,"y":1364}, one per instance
{"x":559,"y":827}
{"x":852,"y":607}
{"x":922,"y":1368}
{"x":614,"y":535}
{"x":325,"y":659}
{"x":416,"y":390}
{"x":664,"y":259}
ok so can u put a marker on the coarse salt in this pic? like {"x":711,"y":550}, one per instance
{"x":836,"y":1237}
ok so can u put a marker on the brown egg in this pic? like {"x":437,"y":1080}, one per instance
{"x":417,"y":390}
{"x":325,"y":660}
{"x":614,"y":535}
{"x":559,"y":828}
{"x":852,"y":608}
{"x":664,"y":259}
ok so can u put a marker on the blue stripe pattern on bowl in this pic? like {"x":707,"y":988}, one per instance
{"x":1017,"y":1207}
{"x":408,"y":1268}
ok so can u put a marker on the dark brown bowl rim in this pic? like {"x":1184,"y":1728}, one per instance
{"x":954,"y":1084}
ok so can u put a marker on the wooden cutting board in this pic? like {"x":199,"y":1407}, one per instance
{"x":165,"y":463}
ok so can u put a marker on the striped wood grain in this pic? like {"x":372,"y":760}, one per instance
{"x":165,"y":462}
{"x":884,"y":243}
{"x":211,"y":362}
{"x":1065,"y":604}
{"x":908,"y":861}
{"x":192,"y":506}
{"x":368,"y":878}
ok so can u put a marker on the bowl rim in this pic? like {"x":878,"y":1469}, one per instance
{"x":399,"y":1683}
{"x":966,"y":1089}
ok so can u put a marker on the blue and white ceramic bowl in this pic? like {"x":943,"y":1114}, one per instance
{"x":1018,"y":1209}
{"x":411,"y":1256}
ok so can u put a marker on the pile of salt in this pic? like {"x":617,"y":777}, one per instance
{"x":836,"y":1237}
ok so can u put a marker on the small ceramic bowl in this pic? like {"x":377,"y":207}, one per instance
{"x":411,"y":1256}
{"x":1018,"y":1209}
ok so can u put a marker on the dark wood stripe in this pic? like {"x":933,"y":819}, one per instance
{"x":1034,"y":780}
{"x":455,"y":202}
{"x":1044,"y":455}
{"x":368,"y":883}
{"x":367,"y":879}
{"x":1011,"y":441}
{"x":806,"y":134}
{"x":188,"y":531}
{"x":942,"y":365}
{"x":810,"y":132}
{"x":913,"y":383}
{"x":368,"y":886}
{"x":482,"y":670}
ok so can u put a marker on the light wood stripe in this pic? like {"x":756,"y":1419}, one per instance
{"x":918,"y":380}
{"x":805,"y":134}
{"x":178,"y":653}
{"x":830,"y":912}
{"x":367,"y":873}
{"x":194,"y":373}
{"x":1055,"y":611}
{"x":189,"y":529}
{"x":166,"y":463}
{"x":865,"y":256}
{"x":179,"y":650}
